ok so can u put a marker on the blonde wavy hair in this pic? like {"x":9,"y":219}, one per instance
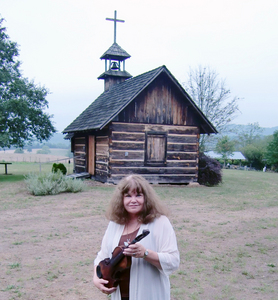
{"x":152,"y":208}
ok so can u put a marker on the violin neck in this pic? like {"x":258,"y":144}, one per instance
{"x":115,"y":260}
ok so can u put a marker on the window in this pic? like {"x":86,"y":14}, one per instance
{"x":156,"y":148}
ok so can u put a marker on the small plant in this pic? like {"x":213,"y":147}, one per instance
{"x":52,"y":184}
{"x":209,"y":171}
{"x":14,"y":265}
{"x":51,"y":276}
{"x":60,"y":167}
{"x":271,"y":265}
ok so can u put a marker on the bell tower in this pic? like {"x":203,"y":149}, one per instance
{"x":114,"y":58}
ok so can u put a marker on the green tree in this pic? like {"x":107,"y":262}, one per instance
{"x":19,"y":150}
{"x":254,"y":154}
{"x":213,"y":98}
{"x":272,"y":151}
{"x":22,"y":102}
{"x":251,"y":143}
{"x":225,"y":147}
{"x":249,"y":134}
{"x":45,"y":150}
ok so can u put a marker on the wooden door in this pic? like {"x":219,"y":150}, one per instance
{"x":91,"y":154}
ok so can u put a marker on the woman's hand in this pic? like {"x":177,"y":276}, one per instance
{"x":135,"y":250}
{"x":138,"y":251}
{"x":100,"y":284}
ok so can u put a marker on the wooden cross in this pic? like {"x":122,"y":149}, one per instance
{"x":115,"y":20}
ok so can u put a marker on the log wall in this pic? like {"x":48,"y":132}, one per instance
{"x":80,"y":156}
{"x":127,"y":153}
{"x":102,"y":156}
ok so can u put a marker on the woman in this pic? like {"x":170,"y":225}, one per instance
{"x":133,"y":208}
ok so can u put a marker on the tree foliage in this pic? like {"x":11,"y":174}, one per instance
{"x":213,"y":98}
{"x":19,"y":150}
{"x":22,"y":102}
{"x":225,"y":147}
{"x":249,"y":134}
{"x":251,"y":144}
{"x":254,"y":154}
{"x":272,"y":151}
{"x":44,"y":150}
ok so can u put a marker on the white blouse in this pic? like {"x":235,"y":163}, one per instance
{"x":146,"y":281}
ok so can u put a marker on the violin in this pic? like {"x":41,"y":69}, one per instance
{"x":110,"y":269}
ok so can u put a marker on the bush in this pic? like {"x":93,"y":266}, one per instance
{"x":209,"y":171}
{"x":57,"y":167}
{"x":52,"y":184}
{"x":74,"y":185}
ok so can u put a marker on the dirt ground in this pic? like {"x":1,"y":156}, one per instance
{"x":48,"y":245}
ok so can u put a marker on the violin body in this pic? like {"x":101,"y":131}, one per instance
{"x":113,"y":274}
{"x":110,"y":269}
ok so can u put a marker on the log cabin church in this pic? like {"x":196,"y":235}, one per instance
{"x":145,"y":125}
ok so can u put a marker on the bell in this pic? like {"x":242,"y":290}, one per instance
{"x":114,"y":66}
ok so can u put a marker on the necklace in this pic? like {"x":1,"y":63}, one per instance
{"x":130,"y":233}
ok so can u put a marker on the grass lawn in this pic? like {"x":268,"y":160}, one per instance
{"x":227,"y":237}
{"x":17,"y":170}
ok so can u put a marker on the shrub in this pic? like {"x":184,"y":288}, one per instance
{"x":57,"y":167}
{"x":74,"y":185}
{"x":52,"y":184}
{"x":209,"y":171}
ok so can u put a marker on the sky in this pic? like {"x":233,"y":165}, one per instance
{"x":61,"y":42}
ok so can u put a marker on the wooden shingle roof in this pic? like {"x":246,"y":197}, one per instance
{"x":110,"y":103}
{"x":123,"y":74}
{"x":115,"y":52}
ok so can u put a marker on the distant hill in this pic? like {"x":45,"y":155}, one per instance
{"x":58,"y":138}
{"x":233,"y":131}
{"x":237,"y":128}
{"x":270,"y":131}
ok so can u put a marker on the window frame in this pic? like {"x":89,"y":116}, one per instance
{"x":159,"y":134}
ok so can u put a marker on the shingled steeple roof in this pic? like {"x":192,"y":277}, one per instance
{"x":111,"y":102}
{"x":115,"y":52}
